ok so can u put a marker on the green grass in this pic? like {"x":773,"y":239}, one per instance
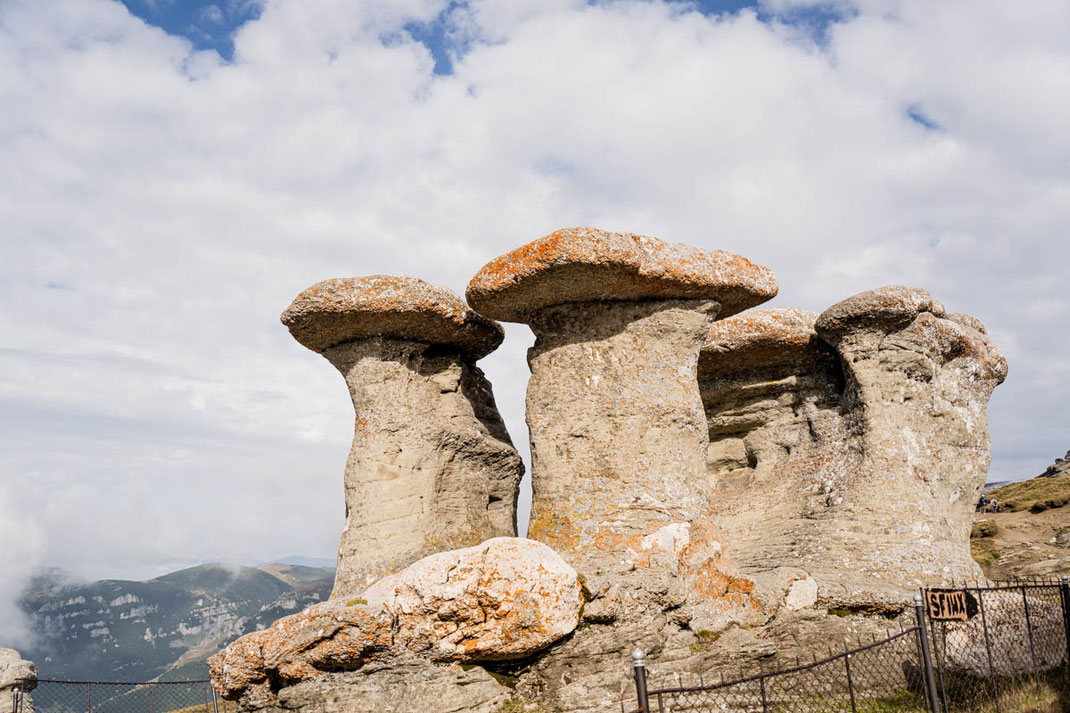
{"x":1035,"y":495}
{"x":983,"y":528}
{"x":984,"y":552}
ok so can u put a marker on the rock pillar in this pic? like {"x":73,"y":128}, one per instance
{"x":617,"y":429}
{"x":431,"y":467}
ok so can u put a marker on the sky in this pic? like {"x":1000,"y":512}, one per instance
{"x":173,"y":173}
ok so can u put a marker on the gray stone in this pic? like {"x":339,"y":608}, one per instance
{"x":432,"y":467}
{"x":18,"y":677}
{"x":508,"y":598}
{"x":848,"y":450}
{"x":613,"y":409}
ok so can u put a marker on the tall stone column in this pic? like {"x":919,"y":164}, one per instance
{"x":432,"y":467}
{"x":917,"y":385}
{"x":618,"y":434}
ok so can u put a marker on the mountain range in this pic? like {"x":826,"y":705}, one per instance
{"x":163,"y":628}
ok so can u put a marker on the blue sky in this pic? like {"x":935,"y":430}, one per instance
{"x":211,"y":25}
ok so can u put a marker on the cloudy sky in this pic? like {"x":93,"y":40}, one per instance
{"x":174,"y":171}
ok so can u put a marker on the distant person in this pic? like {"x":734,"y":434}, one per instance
{"x":982,"y":504}
{"x":995,"y":505}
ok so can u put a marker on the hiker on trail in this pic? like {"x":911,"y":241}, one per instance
{"x":995,"y":505}
{"x":982,"y":504}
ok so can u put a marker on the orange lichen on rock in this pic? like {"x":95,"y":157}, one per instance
{"x":505,"y":599}
{"x":396,"y":307}
{"x":588,"y":264}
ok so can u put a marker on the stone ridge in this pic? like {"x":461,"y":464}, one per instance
{"x":760,"y":338}
{"x":340,"y":310}
{"x":588,"y":264}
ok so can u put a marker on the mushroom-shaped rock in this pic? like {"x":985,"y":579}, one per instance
{"x":848,"y":451}
{"x":507,"y":598}
{"x":917,"y":385}
{"x":617,"y":428}
{"x":771,"y":389}
{"x":431,"y":467}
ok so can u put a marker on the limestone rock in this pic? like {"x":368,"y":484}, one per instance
{"x":432,"y":467}
{"x":341,"y":310}
{"x":1060,"y":467}
{"x":18,"y":677}
{"x":16,"y":670}
{"x":771,"y":391}
{"x":505,"y":599}
{"x":404,"y":687}
{"x":586,"y":264}
{"x":616,"y":423}
{"x":1008,"y":638}
{"x":849,"y":449}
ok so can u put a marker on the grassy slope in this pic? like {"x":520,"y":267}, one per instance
{"x":1035,"y":495}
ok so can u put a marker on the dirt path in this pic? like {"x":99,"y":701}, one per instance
{"x":1024,"y":543}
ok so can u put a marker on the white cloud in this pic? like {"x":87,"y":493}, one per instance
{"x":160,"y":207}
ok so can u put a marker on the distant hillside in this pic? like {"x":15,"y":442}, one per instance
{"x":166,"y":627}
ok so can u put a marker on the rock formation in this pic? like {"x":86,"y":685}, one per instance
{"x":508,"y":598}
{"x":18,"y":678}
{"x":1061,"y":466}
{"x":617,"y":427}
{"x":846,"y":452}
{"x":432,"y":467}
{"x":718,"y":484}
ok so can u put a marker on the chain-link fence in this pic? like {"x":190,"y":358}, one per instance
{"x":52,"y":696}
{"x":995,"y":649}
{"x":881,"y":676}
{"x":1007,"y":645}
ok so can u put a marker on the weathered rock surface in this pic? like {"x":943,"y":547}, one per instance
{"x":1007,"y":637}
{"x":432,"y":467}
{"x":507,"y":598}
{"x":574,"y":265}
{"x":1060,"y":467}
{"x":617,"y":427}
{"x":847,"y":451}
{"x":16,"y":670}
{"x":413,"y":686}
{"x":18,"y":678}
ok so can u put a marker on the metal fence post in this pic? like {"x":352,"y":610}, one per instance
{"x":927,"y":660}
{"x":850,"y":680}
{"x":1064,"y":594}
{"x":639,"y":670}
{"x":215,"y":702}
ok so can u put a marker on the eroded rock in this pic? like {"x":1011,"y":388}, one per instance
{"x":432,"y":467}
{"x":507,"y":598}
{"x":617,"y":427}
{"x":18,"y":677}
{"x":849,"y":449}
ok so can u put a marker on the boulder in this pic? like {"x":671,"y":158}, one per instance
{"x":507,"y":598}
{"x":16,"y":671}
{"x":1008,"y":638}
{"x":432,"y":467}
{"x":18,"y":678}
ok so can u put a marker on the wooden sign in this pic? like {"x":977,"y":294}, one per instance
{"x":950,"y":604}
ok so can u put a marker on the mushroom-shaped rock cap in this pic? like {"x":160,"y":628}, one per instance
{"x":587,"y":264}
{"x":759,"y":338}
{"x":884,"y":307}
{"x":398,"y":307}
